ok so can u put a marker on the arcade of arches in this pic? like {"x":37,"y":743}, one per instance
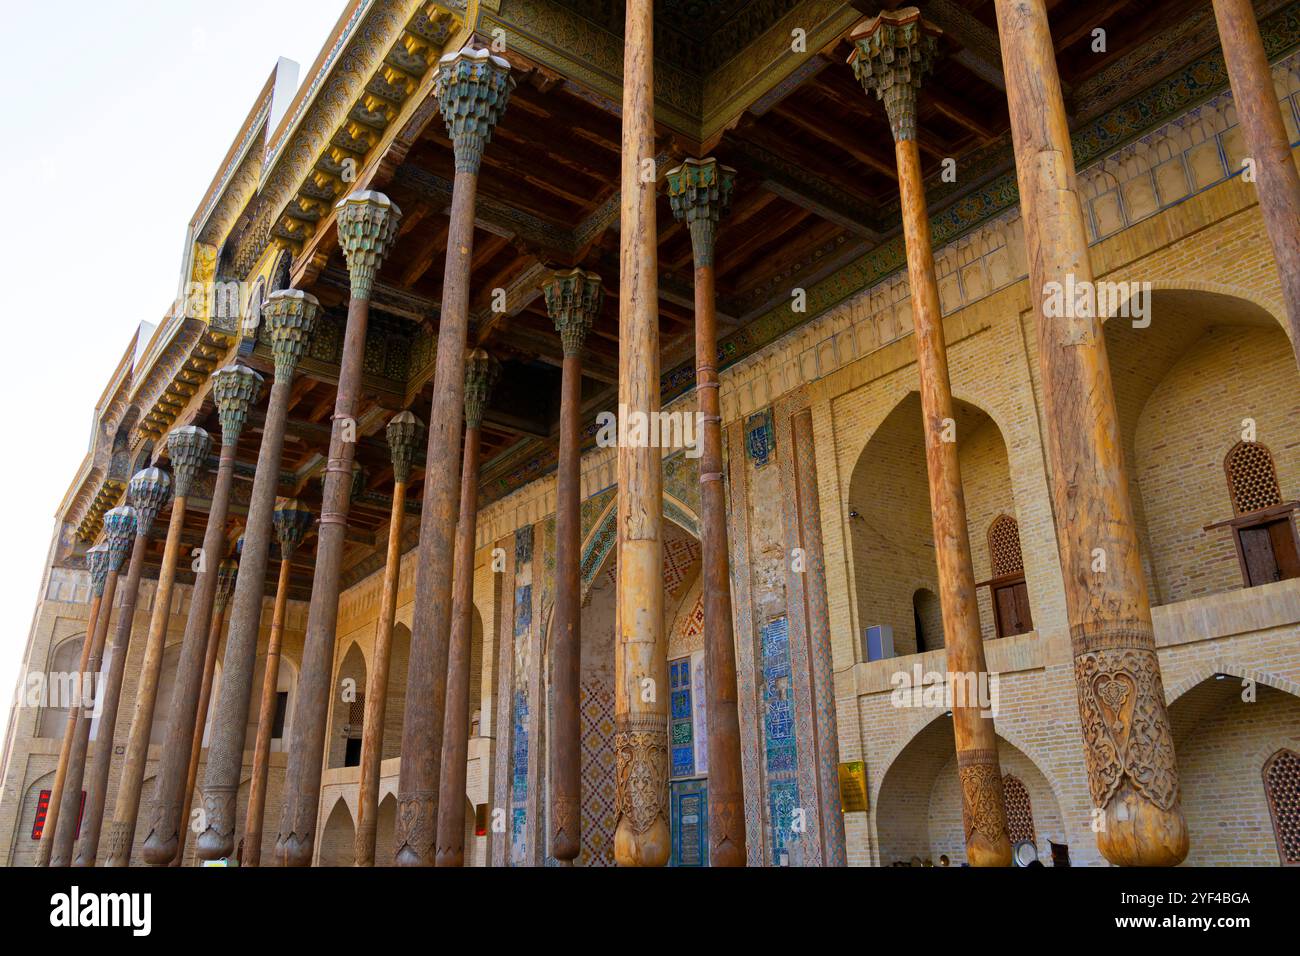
{"x":833,"y":546}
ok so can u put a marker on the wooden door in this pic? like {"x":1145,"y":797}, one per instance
{"x":1258,"y":554}
{"x":1011,"y":609}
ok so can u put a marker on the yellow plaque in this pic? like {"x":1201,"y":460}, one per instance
{"x":853,"y":786}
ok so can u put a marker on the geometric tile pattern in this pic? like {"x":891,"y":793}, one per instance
{"x":689,"y":814}
{"x":780,"y":748}
{"x":681,"y":740}
{"x":1020,"y":813}
{"x":680,"y":554}
{"x":596,"y":712}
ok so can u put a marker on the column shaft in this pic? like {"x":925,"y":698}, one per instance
{"x":455,"y":728}
{"x":426,"y":688}
{"x":566,"y":631}
{"x":127,"y":807}
{"x":252,"y":855}
{"x":642,"y":836}
{"x":1276,"y":176}
{"x":161,"y":845}
{"x":983,"y":807}
{"x":46,"y":845}
{"x":302,"y":778}
{"x":109,"y":697}
{"x":1127,"y":740}
{"x":199,"y":721}
{"x":372,"y":726}
{"x":726,"y":787}
{"x":70,"y":807}
{"x":230,"y":721}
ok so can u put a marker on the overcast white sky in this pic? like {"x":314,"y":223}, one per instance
{"x":119,"y":114}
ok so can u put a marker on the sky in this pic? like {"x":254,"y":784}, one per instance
{"x":119,"y":115}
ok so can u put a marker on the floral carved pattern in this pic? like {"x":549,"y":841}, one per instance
{"x":1125,"y":727}
{"x":982,"y":803}
{"x":641,"y":772}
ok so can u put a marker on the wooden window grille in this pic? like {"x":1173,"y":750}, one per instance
{"x":1252,"y":477}
{"x":1004,"y":547}
{"x":1008,"y":589}
{"x":1020,"y":812}
{"x":1282,"y":788}
{"x":357,"y":712}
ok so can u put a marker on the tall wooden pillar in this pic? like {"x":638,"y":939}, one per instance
{"x":405,"y":439}
{"x":892,"y":53}
{"x":226,"y":577}
{"x":187,"y":447}
{"x":642,"y":836}
{"x":97,"y":566}
{"x":1132,"y":772}
{"x":147,"y":491}
{"x":367,"y":226}
{"x":481,"y":372}
{"x":472,"y":87}
{"x":291,"y":521}
{"x":700,"y":192}
{"x":573,"y":300}
{"x":290,"y":316}
{"x":234,"y":388}
{"x":119,"y":530}
{"x":1267,"y":143}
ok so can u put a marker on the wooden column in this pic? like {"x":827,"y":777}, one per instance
{"x":573,"y":300}
{"x":473,"y":88}
{"x":700,"y":192}
{"x":367,"y":226}
{"x":1267,"y":143}
{"x":234,"y":388}
{"x":1127,"y":741}
{"x":481,"y":372}
{"x":892,"y":53}
{"x":97,"y":560}
{"x":641,"y":836}
{"x":291,"y":521}
{"x":406,"y":435}
{"x":147,"y":491}
{"x":187,"y":447}
{"x":290,"y":316}
{"x":226,"y":577}
{"x":119,"y":530}
{"x":97,"y":566}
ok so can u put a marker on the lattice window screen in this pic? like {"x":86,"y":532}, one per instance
{"x":1020,"y":813}
{"x":357,"y":712}
{"x":1252,"y":479}
{"x":1004,"y":546}
{"x":1282,"y":787}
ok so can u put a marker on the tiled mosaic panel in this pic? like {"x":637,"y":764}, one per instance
{"x":689,"y":815}
{"x":680,"y":554}
{"x":701,"y":728}
{"x":680,"y":737}
{"x":519,"y":757}
{"x":780,"y":749}
{"x":598,"y":818}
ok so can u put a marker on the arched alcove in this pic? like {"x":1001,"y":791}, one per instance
{"x":338,"y":839}
{"x":347,"y":714}
{"x":60,"y":679}
{"x":395,"y":704}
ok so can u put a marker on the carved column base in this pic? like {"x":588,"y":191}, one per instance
{"x":217,"y":841}
{"x":726,"y":829}
{"x":983,"y":809}
{"x":119,"y":844}
{"x":416,"y":828}
{"x":566,"y":816}
{"x":1132,"y":770}
{"x":642,"y":837}
{"x":164,"y":839}
{"x":295,"y":847}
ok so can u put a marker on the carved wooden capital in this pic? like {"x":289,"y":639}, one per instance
{"x":481,"y":373}
{"x":187,"y":447}
{"x":291,"y":521}
{"x":405,"y":441}
{"x":234,"y":388}
{"x":119,"y":526}
{"x":473,"y":88}
{"x":226,"y":576}
{"x":97,"y":565}
{"x":290,"y":316}
{"x":892,"y":53}
{"x":573,"y":301}
{"x":699,"y":191}
{"x":148,"y":491}
{"x":367,"y":222}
